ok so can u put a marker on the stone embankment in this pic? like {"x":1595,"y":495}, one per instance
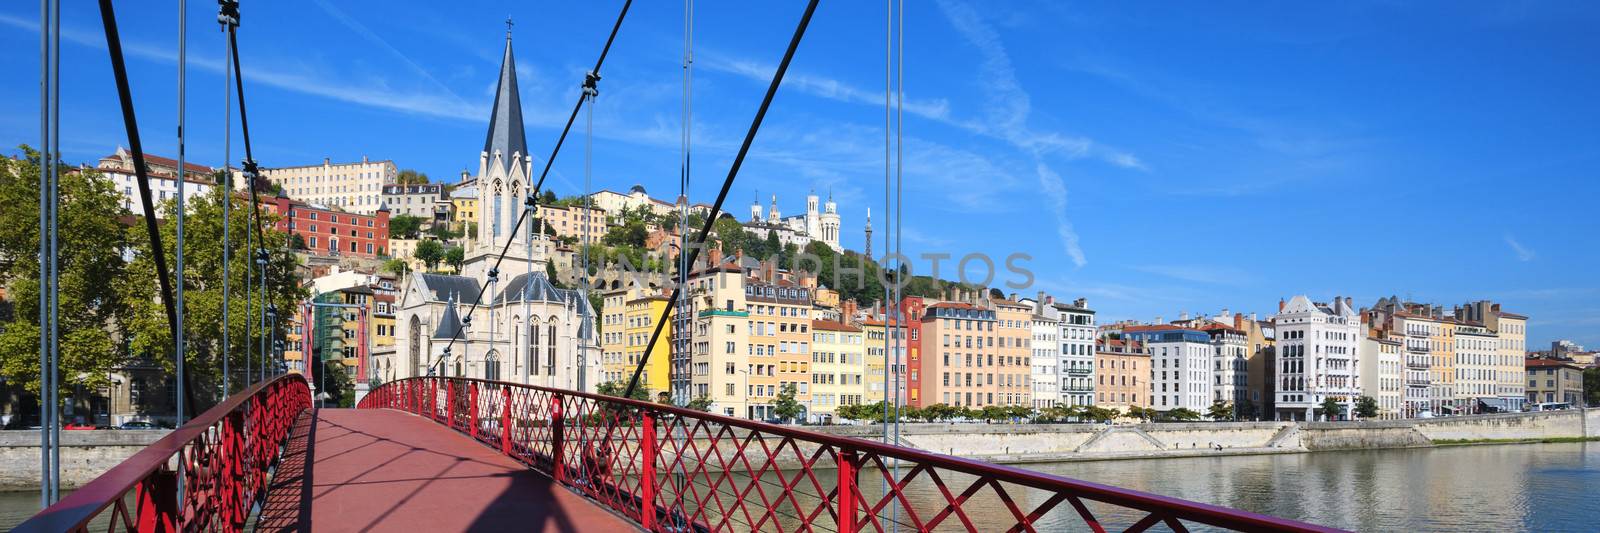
{"x":84,"y":455}
{"x":1023,"y":443}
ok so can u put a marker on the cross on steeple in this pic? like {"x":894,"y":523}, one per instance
{"x":509,"y":23}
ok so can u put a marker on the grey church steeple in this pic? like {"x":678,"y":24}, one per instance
{"x":505,"y":119}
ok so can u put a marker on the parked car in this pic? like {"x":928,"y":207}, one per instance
{"x":139,"y":424}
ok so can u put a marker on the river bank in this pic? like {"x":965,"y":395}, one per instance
{"x":1051,"y":443}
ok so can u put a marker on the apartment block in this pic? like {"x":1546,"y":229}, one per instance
{"x":1076,"y":334}
{"x":1122,"y":375}
{"x":1318,"y":347}
{"x":1383,"y":375}
{"x":355,"y":187}
{"x":1554,"y":381}
{"x":1180,"y":365}
{"x":838,"y":368}
{"x":963,"y":364}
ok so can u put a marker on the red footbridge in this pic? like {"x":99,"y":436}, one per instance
{"x":453,"y":454}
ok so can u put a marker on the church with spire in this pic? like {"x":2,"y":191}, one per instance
{"x":505,"y":322}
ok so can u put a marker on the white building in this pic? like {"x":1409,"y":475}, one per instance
{"x":1318,"y":346}
{"x":1076,"y":334}
{"x":1477,"y":366}
{"x":1383,"y":375}
{"x":163,"y":174}
{"x":1180,"y":365}
{"x":355,"y":187}
{"x":1230,"y":371}
{"x":1045,"y":351}
{"x":800,"y":230}
{"x":427,"y":201}
{"x":524,"y":329}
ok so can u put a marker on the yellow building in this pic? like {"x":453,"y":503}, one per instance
{"x":779,"y":329}
{"x":465,"y":201}
{"x":838,"y":369}
{"x":717,"y":365}
{"x":873,"y":333}
{"x":640,"y":322}
{"x":626,"y":323}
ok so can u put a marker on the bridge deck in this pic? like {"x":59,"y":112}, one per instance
{"x":383,"y":470}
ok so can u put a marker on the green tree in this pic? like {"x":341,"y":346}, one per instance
{"x":1101,"y":414}
{"x":1219,"y":411}
{"x":633,"y":233}
{"x":410,"y":177}
{"x":1331,"y":409}
{"x":1366,"y":407}
{"x":1591,"y":385}
{"x":616,"y":388}
{"x":455,"y":256}
{"x":147,"y":328}
{"x":701,"y":403}
{"x":1247,"y":409}
{"x":785,"y":406}
{"x":396,"y":266}
{"x":296,"y":241}
{"x":1181,"y":414}
{"x":430,"y":252}
{"x":405,"y":226}
{"x":1144,"y":414}
{"x":91,"y":270}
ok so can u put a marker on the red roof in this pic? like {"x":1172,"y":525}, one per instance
{"x":1532,"y":363}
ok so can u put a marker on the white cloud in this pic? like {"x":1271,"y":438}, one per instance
{"x":822,"y":87}
{"x":1523,"y":253}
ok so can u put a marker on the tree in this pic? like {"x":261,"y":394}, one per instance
{"x":633,"y":233}
{"x":444,"y":233}
{"x":701,"y":403}
{"x":1220,"y":410}
{"x":455,"y":256}
{"x":396,"y":266}
{"x":410,"y":177}
{"x":616,"y":388}
{"x":1331,"y":409}
{"x":1101,"y":414}
{"x":1366,"y":407}
{"x":1247,"y":409}
{"x":297,"y":242}
{"x":405,"y":226}
{"x":147,"y":330}
{"x":1144,"y":414}
{"x":91,"y":270}
{"x":1181,"y":414}
{"x":785,"y":405}
{"x":430,"y":253}
{"x":1591,"y":386}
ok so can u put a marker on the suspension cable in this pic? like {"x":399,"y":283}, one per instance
{"x":49,"y":331}
{"x":119,"y":69}
{"x":224,"y":17}
{"x":183,"y":41}
{"x":530,"y":204}
{"x":733,"y":171}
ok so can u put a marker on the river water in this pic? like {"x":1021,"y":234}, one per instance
{"x":1524,"y":487}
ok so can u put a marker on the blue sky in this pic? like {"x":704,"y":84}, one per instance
{"x":1155,"y":158}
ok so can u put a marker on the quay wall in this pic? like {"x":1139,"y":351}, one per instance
{"x":85,"y":454}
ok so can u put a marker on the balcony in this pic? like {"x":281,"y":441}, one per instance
{"x":1077,"y":389}
{"x":1079,"y":371}
{"x":1415,"y":364}
{"x":1417,"y":382}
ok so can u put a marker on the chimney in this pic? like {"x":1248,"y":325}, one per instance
{"x":326,"y":161}
{"x":848,"y":310}
{"x":1281,"y":303}
{"x":1224,"y":313}
{"x":1081,"y":303}
{"x":714,"y":256}
{"x":1158,"y":320}
{"x":1039,"y":303}
{"x":1014,"y":297}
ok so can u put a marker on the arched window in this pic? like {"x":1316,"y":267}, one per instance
{"x":533,"y":347}
{"x":460,"y":366}
{"x":550,"y":362}
{"x":495,"y":195}
{"x":491,"y":366}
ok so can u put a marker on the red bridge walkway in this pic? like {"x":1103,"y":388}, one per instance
{"x":384,"y":470}
{"x":458,"y":454}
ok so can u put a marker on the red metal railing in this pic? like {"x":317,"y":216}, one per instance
{"x":222,"y":458}
{"x":673,"y":469}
